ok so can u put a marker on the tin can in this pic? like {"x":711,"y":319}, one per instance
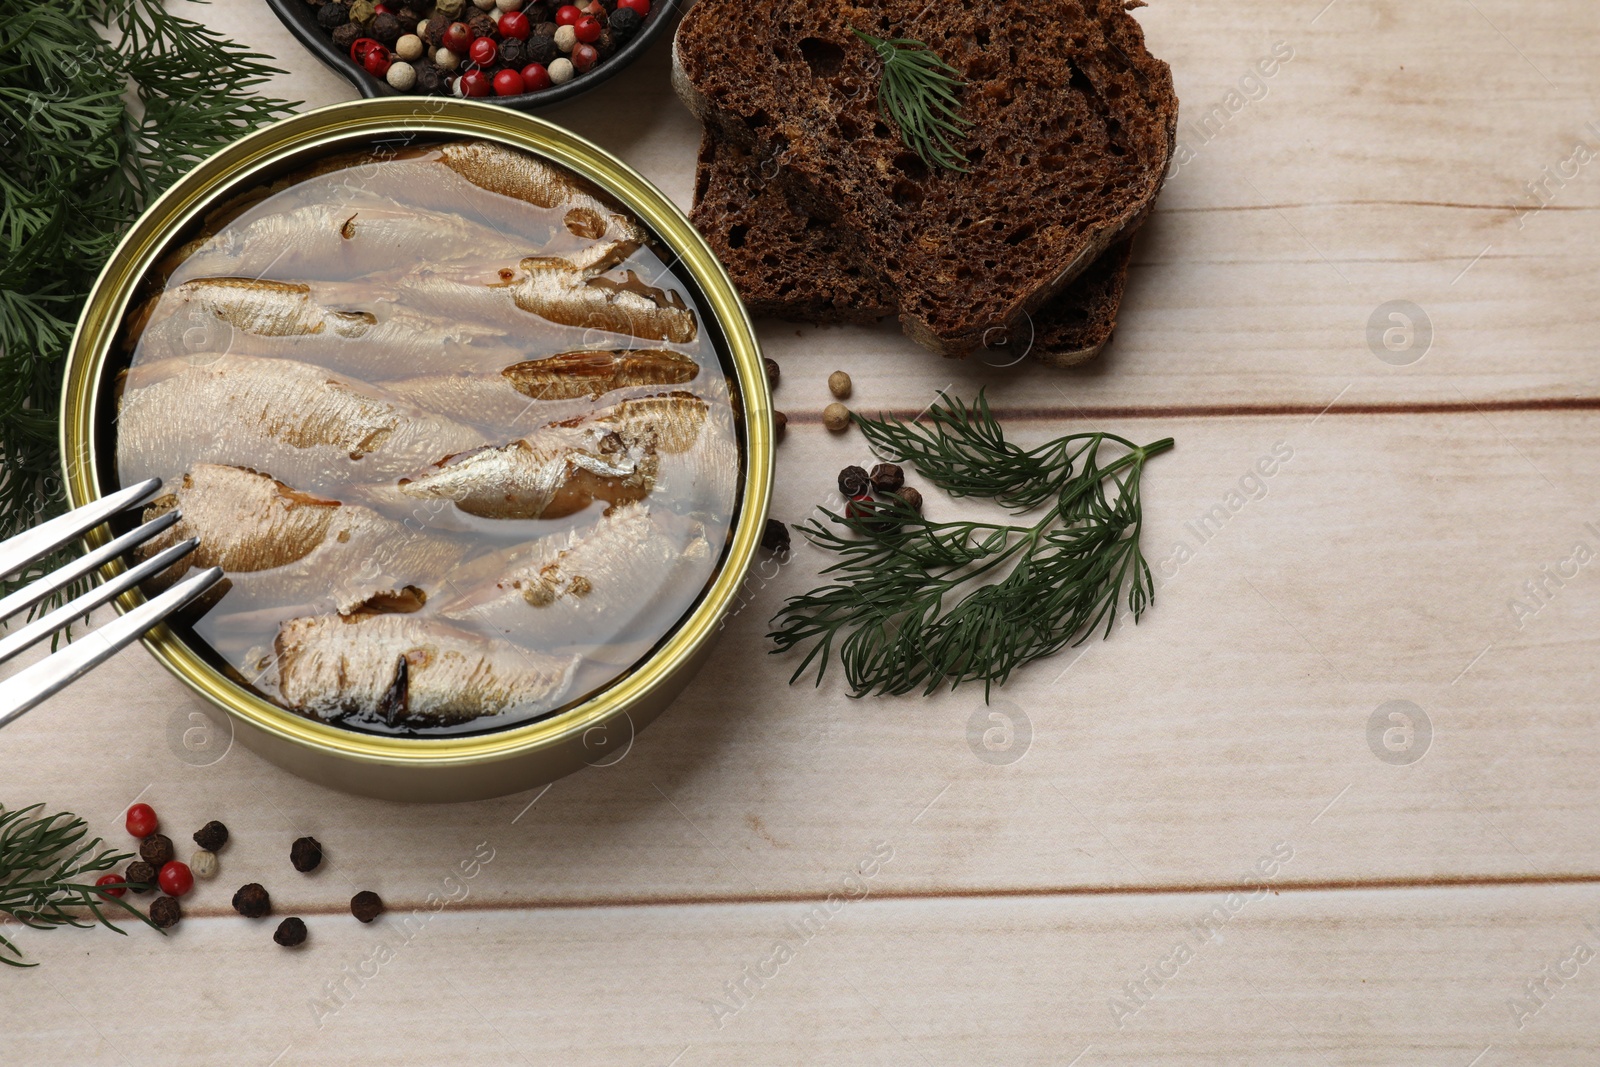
{"x":597,"y":731}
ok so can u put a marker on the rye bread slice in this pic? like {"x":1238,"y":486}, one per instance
{"x":1073,"y":126}
{"x":791,"y":266}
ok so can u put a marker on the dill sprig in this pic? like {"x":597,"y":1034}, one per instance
{"x":908,"y":609}
{"x":47,"y":875}
{"x":917,"y":94}
{"x":83,"y":156}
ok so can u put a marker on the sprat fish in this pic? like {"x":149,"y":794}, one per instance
{"x":307,"y":425}
{"x":282,"y":546}
{"x":407,"y":670}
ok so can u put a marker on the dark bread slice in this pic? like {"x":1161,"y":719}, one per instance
{"x":1073,"y":126}
{"x":788,"y":265}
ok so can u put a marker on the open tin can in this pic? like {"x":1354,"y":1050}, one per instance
{"x":597,"y":728}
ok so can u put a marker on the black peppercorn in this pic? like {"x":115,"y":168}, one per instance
{"x":333,"y":15}
{"x":773,"y":370}
{"x":483,"y":24}
{"x":305,"y":854}
{"x":212,"y":836}
{"x":345,"y":36}
{"x":252,"y":901}
{"x":887,"y":477}
{"x":541,"y":47}
{"x":156,"y":850}
{"x":625,"y":22}
{"x":775,"y":538}
{"x":366,"y":905}
{"x":141,"y":876}
{"x":780,"y":422}
{"x":165,"y":912}
{"x":430,"y":79}
{"x":606,"y":46}
{"x":511,"y":52}
{"x":433,"y":32}
{"x":290,"y":932}
{"x":853,"y":482}
{"x":911,"y":498}
{"x":386,"y":29}
{"x":538,"y":13}
{"x":410,"y":16}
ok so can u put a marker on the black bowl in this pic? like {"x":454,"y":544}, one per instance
{"x":301,"y":18}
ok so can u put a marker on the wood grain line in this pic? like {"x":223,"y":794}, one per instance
{"x":976,"y":893}
{"x":1515,"y":209}
{"x":1057,"y":413}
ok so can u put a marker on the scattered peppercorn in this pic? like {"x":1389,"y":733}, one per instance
{"x":366,"y":905}
{"x":252,"y":901}
{"x":141,"y":876}
{"x":142,"y":821}
{"x":212,"y":836}
{"x":113,"y":883}
{"x":839,"y":384}
{"x":290,"y":932}
{"x":204,"y":864}
{"x":780,"y":424}
{"x":853,"y":482}
{"x":887,"y":477}
{"x":861,"y":509}
{"x":305,"y":854}
{"x":157,"y":850}
{"x":165,"y":912}
{"x":775,"y":538}
{"x":911,"y":498}
{"x":836,"y":417}
{"x":175,"y":878}
{"x":773,"y":371}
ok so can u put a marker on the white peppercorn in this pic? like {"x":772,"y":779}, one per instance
{"x":566,"y":38}
{"x":836,"y":417}
{"x":402,"y":75}
{"x":839,"y":384}
{"x":408,"y":47}
{"x":446,"y":59}
{"x":203,"y":863}
{"x":561,"y":71}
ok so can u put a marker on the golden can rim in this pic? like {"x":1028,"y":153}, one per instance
{"x":327,"y":130}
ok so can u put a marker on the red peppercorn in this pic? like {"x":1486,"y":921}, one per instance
{"x":567,"y":14}
{"x":587,"y":29}
{"x":508,"y":83}
{"x":112,"y":879}
{"x":382,"y":9}
{"x":474,"y":83}
{"x":535,"y":77}
{"x":377,"y":62}
{"x":641,"y":7}
{"x":483,"y":51}
{"x":584,"y":57}
{"x":457,"y":36}
{"x":142,"y":821}
{"x":360,"y":49}
{"x":515,"y":24}
{"x":175,"y":879}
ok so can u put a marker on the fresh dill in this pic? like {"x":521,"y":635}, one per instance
{"x":908,"y":609}
{"x":917,"y":94}
{"x":47,"y":876}
{"x":103,"y":103}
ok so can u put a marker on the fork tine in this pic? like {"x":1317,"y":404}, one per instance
{"x":45,"y":625}
{"x":31,"y":594}
{"x":54,"y":673}
{"x":45,"y":538}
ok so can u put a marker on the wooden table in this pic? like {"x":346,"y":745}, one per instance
{"x":1076,"y":889}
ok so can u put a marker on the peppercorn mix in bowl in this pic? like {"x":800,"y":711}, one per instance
{"x":468,"y":415}
{"x":517,"y":53}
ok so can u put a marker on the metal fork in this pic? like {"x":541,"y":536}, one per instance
{"x":33,"y":684}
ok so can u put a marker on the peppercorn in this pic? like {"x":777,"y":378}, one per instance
{"x":387,"y":29}
{"x":362,"y":11}
{"x":775,"y":538}
{"x":305,"y":854}
{"x":409,"y":15}
{"x":860,"y":509}
{"x":204,"y":864}
{"x":540,"y":48}
{"x":511,"y":53}
{"x":457,"y":37}
{"x":252,"y":901}
{"x":445,"y":59}
{"x":839,"y":384}
{"x":773,"y":370}
{"x":176,"y":879}
{"x":625,"y":22}
{"x":887,"y":477}
{"x":157,"y":850}
{"x":561,"y":70}
{"x":430,"y":79}
{"x":290,"y":932}
{"x":141,"y":876}
{"x":212,"y":836}
{"x":780,"y":425}
{"x":566,"y":38}
{"x":450,"y":9}
{"x":483,"y":51}
{"x":115,"y":885}
{"x":584,"y":57}
{"x":165,"y":912}
{"x":911,"y":498}
{"x":346,"y":35}
{"x":332,"y":15}
{"x":433,"y":32}
{"x":853,"y":482}
{"x":401,"y":76}
{"x":836,"y":417}
{"x":366,"y":905}
{"x":141,"y":821}
{"x":483,"y":25}
{"x":606,"y":46}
